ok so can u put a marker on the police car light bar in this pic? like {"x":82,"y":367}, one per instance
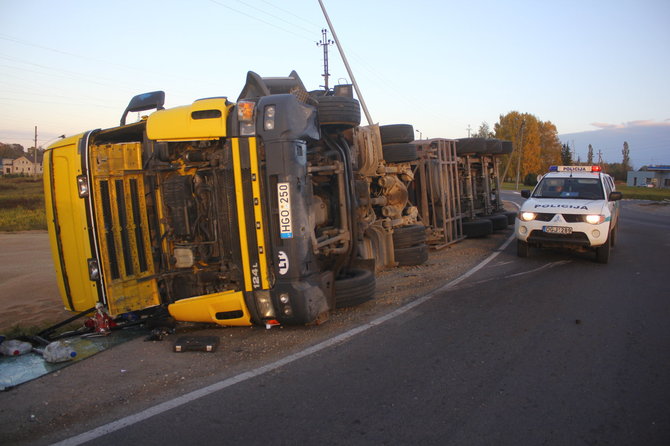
{"x":575,"y":169}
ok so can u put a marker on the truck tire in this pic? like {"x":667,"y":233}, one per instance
{"x":396,"y":133}
{"x":477,"y":228}
{"x":415,"y":255}
{"x":340,"y":111}
{"x":511,"y":216}
{"x":399,"y":152}
{"x":498,"y":221}
{"x":354,"y":288}
{"x":408,"y":236}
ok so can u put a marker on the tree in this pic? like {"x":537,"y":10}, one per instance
{"x":566,"y":155}
{"x":484,"y":131}
{"x":625,"y":162}
{"x":589,"y":155}
{"x":550,"y":146}
{"x":12,"y":151}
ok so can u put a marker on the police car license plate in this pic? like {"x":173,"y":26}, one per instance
{"x":557,"y":229}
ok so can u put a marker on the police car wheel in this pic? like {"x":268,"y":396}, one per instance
{"x":603,"y":252}
{"x":522,"y":248}
{"x":354,"y":287}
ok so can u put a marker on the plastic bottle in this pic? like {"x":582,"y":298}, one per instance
{"x":15,"y":347}
{"x":58,"y":351}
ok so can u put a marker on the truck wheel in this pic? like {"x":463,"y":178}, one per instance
{"x":415,"y":255}
{"x":340,"y":111}
{"x":477,"y":228}
{"x":603,"y":252}
{"x":399,"y":152}
{"x":471,"y":145}
{"x":522,"y":248}
{"x":396,"y":133}
{"x":408,"y":236}
{"x":354,"y":288}
{"x":498,"y":221}
{"x":511,"y":215}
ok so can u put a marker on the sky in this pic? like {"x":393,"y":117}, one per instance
{"x":442,"y":66}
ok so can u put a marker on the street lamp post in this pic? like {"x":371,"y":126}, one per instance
{"x":420,"y":134}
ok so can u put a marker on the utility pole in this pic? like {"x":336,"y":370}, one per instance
{"x":35,"y":159}
{"x":518,"y":161}
{"x":325,"y":42}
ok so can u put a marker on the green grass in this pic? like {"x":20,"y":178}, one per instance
{"x":21,"y":204}
{"x":629,"y":192}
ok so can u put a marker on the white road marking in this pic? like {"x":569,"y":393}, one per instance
{"x":228,"y":382}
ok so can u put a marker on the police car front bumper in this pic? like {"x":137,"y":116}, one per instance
{"x":541,"y":233}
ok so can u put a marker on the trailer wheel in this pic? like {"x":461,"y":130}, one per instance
{"x":415,"y":255}
{"x":339,"y":111}
{"x":408,"y":236}
{"x":477,"y":228}
{"x":396,"y":133}
{"x":511,"y":216}
{"x":498,"y":221}
{"x":354,"y":288}
{"x":399,"y":152}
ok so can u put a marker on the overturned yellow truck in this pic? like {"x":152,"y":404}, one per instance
{"x":231,"y":213}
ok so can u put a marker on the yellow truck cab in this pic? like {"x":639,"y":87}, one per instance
{"x":231,"y":213}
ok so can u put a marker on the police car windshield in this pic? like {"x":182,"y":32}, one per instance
{"x":571,"y":188}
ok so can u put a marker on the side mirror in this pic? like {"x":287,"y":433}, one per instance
{"x":615,"y":196}
{"x":144,"y":101}
{"x":525,"y":193}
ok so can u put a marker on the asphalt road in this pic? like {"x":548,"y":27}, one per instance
{"x":554,"y":349}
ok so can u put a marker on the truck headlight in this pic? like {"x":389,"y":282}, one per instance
{"x":245,"y":115}
{"x":526,"y":216}
{"x":269,"y":117}
{"x":264,"y":304}
{"x":594,"y":219}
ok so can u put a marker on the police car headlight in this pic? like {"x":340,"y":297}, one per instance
{"x":527,"y":216}
{"x":594,"y":219}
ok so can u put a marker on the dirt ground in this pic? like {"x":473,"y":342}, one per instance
{"x":28,"y":292}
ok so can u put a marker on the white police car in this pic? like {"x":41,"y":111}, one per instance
{"x":571,"y":207}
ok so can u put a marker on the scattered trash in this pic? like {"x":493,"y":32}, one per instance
{"x":101,"y":322}
{"x":196,"y":343}
{"x":15,"y":347}
{"x":159,"y":333}
{"x":271,"y":323}
{"x":57,"y":351}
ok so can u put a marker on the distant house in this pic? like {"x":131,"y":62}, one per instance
{"x":6,"y":166}
{"x":650,"y":176}
{"x":23,"y":165}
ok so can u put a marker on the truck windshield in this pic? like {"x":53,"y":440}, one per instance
{"x":573,"y":188}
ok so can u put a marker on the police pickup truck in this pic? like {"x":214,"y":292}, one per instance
{"x":571,"y":207}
